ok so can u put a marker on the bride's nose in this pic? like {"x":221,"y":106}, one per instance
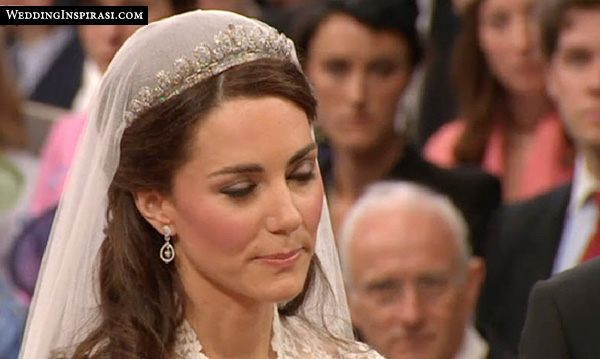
{"x":283,"y":215}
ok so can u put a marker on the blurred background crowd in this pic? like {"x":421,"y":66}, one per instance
{"x":458,"y":146}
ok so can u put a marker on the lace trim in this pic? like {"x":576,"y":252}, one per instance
{"x":292,"y":339}
{"x":187,"y":345}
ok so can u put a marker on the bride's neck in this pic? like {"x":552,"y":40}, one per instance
{"x":234,"y":332}
{"x":230,"y":328}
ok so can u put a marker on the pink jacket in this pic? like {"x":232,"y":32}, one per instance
{"x":547,"y":163}
{"x":56,"y":157}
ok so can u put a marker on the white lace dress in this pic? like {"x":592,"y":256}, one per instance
{"x":292,"y":339}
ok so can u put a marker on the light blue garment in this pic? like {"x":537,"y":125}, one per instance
{"x":12,"y":323}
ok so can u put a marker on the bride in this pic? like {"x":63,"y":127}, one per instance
{"x":193,"y":223}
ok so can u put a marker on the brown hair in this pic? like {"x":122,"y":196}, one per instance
{"x":13,"y":132}
{"x":141,"y":304}
{"x":480,"y":95}
{"x":553,"y":18}
{"x":397,"y":16}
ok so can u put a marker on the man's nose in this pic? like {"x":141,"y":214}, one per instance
{"x":409,"y":309}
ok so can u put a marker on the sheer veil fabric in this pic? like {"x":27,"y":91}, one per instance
{"x":64,"y":307}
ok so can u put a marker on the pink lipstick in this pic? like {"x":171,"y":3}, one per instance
{"x":286,"y":259}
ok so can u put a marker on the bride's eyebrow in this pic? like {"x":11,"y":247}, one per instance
{"x":241,"y":168}
{"x":245,"y":168}
{"x":302,"y":153}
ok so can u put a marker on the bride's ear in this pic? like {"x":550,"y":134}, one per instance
{"x":156,"y":208}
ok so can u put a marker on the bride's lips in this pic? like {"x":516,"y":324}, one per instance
{"x":283,"y":259}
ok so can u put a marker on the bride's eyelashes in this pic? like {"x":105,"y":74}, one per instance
{"x":239,"y":190}
{"x":304,"y":174}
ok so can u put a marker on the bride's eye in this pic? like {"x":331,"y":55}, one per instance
{"x":239,"y":190}
{"x":305,"y":172}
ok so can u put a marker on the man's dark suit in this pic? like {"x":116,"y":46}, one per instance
{"x":522,"y":252}
{"x":60,"y":83}
{"x":563,"y":320}
{"x":474,"y":192}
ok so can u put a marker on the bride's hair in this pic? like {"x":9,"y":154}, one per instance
{"x":140,"y":296}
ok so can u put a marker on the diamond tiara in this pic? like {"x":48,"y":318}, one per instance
{"x":231,"y":47}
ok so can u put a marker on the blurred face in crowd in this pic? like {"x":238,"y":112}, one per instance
{"x":246,"y":206}
{"x":574,"y":75}
{"x":101,"y":42}
{"x":359,"y":75}
{"x":508,"y":39}
{"x":411,"y":292}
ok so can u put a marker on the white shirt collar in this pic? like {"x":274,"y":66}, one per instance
{"x":473,"y":346}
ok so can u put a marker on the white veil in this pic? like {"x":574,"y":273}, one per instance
{"x":64,"y":307}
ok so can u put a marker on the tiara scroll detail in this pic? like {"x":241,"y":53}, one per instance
{"x":231,"y":47}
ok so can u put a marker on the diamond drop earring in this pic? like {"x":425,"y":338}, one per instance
{"x":167,"y":252}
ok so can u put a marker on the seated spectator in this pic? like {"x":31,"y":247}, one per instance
{"x":559,"y":230}
{"x":412,"y":283}
{"x":360,"y":56}
{"x":509,"y":126}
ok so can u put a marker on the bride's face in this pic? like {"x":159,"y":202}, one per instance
{"x":246,"y":206}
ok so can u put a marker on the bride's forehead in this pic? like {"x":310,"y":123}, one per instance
{"x":271,"y":126}
{"x":249,"y":117}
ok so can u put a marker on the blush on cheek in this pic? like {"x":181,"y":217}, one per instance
{"x":217,"y":229}
{"x":313,"y":213}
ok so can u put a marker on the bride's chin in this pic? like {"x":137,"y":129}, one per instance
{"x":289,"y":295}
{"x":286,"y":287}
{"x":285,"y":292}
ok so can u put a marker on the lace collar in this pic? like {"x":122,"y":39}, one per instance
{"x":292,"y":339}
{"x":187,"y":345}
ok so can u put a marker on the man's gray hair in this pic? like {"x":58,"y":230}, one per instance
{"x":394,"y":194}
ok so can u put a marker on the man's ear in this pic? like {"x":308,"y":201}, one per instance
{"x":156,"y":208}
{"x":475,"y":278}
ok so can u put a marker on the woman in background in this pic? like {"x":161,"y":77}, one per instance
{"x":509,"y":126}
